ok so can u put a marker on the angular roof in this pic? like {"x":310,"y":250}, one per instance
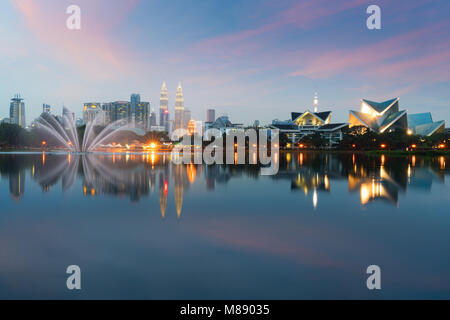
{"x":321,"y":115}
{"x":391,"y":119}
{"x":284,"y":126}
{"x":418,"y":119}
{"x":295,"y":115}
{"x":378,"y":123}
{"x":429,"y":129}
{"x":422,"y":124}
{"x":380,"y":106}
{"x":366,"y":119}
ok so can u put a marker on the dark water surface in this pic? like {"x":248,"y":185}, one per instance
{"x":141,"y":227}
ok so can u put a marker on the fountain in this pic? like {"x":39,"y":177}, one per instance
{"x":64,"y":132}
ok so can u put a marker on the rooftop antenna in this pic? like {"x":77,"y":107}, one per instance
{"x":316,"y":103}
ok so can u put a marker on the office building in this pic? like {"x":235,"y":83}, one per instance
{"x":17,"y":111}
{"x":210,"y":115}
{"x":164,"y":107}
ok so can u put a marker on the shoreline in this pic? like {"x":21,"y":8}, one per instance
{"x":364,"y":152}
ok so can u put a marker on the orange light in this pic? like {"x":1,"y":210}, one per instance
{"x":44,"y":143}
{"x":301,"y":145}
{"x":442,"y":146}
{"x":354,"y":145}
{"x":383,"y":146}
{"x":153,"y":145}
{"x":413,"y":146}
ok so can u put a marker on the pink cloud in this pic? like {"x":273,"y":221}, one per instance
{"x":90,"y":49}
{"x":395,"y":57}
{"x":301,"y":15}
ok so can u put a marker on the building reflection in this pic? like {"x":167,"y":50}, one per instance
{"x":139,"y":176}
{"x":17,"y":184}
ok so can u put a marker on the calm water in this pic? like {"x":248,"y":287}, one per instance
{"x":141,"y":227}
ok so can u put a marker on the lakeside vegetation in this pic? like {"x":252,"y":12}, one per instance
{"x":360,"y":139}
{"x":14,"y":137}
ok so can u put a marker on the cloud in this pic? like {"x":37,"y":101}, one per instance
{"x":423,"y":52}
{"x":92,"y":49}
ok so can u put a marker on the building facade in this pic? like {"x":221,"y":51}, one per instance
{"x":210,"y":115}
{"x":422,"y":124}
{"x":164,"y":107}
{"x":380,"y":116}
{"x":17,"y":111}
{"x":90,"y":111}
{"x":179,"y":109}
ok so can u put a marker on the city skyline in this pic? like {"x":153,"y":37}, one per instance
{"x":269,"y":62}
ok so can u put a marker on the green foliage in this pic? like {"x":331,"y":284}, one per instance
{"x":359,"y":138}
{"x":12,"y":135}
{"x":314,"y":141}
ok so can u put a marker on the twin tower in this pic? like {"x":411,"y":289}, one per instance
{"x":182,"y":115}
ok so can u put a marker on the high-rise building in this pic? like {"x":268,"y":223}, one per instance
{"x":121,"y":110}
{"x":164,"y":107}
{"x":17,"y":111}
{"x":134,"y":101}
{"x":179,"y":109}
{"x":186,"y":118}
{"x":90,"y":111}
{"x":152,"y":118}
{"x":107,"y":109}
{"x":210,"y":115}
{"x":46,"y":108}
{"x":141,"y":114}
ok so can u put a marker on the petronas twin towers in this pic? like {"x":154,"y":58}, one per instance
{"x":182,"y":116}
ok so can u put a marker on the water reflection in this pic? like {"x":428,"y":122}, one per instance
{"x":134,"y":176}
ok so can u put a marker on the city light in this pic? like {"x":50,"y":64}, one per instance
{"x":382,"y":146}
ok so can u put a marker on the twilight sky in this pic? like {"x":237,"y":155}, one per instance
{"x":250,"y":59}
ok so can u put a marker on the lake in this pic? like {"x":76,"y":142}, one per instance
{"x":141,"y":227}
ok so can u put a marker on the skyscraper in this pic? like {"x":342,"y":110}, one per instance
{"x":186,"y":118}
{"x":179,"y":108}
{"x":90,"y":111}
{"x":17,"y":111}
{"x":152,"y":118}
{"x":141,"y":115}
{"x":164,"y":107}
{"x":134,"y":100}
{"x":210,"y":115}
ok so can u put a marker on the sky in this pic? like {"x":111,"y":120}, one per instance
{"x":249,"y":59}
